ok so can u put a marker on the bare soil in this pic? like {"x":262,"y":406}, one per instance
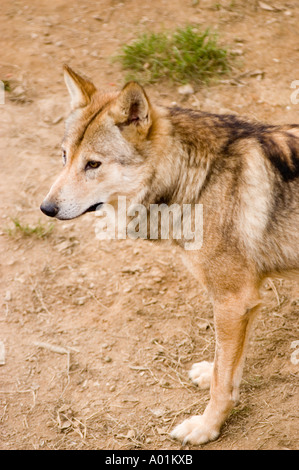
{"x":99,"y":335}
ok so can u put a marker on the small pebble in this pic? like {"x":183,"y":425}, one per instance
{"x":2,"y":353}
{"x":130,"y":434}
{"x":186,"y":90}
{"x":8,"y":296}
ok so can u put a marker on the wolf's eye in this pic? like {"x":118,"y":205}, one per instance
{"x":92,"y":165}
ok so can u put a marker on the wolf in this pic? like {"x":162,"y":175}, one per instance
{"x":244,"y":173}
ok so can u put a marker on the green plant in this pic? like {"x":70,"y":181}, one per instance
{"x":39,"y":230}
{"x":7,"y":86}
{"x":185,"y":55}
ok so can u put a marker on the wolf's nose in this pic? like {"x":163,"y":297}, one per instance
{"x":50,"y":209}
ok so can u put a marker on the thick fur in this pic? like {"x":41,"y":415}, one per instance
{"x":246,"y":176}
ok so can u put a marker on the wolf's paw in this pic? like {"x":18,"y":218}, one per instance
{"x":195,"y":431}
{"x":201,"y":374}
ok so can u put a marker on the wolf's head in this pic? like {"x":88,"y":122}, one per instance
{"x":104,"y":149}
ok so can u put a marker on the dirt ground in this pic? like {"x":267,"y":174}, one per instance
{"x":125,"y":320}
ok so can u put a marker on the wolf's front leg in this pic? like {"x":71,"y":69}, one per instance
{"x":232,"y":323}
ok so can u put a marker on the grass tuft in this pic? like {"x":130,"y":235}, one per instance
{"x":7,"y":85}
{"x":183,"y":56}
{"x":39,"y":230}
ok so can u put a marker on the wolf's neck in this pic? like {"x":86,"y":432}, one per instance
{"x":180,"y":161}
{"x":177,"y":179}
{"x":188,"y":177}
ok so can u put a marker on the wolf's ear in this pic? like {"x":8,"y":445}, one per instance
{"x":132,"y":110}
{"x":80,"y":89}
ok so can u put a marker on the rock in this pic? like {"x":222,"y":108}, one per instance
{"x":158,"y":412}
{"x":130,"y":434}
{"x":294,"y":355}
{"x":8,"y":296}
{"x":162,"y":431}
{"x":19,"y":90}
{"x":2,"y":353}
{"x":203,"y":326}
{"x":266,"y":7}
{"x":186,"y":90}
{"x":237,"y":51}
{"x":81,"y":300}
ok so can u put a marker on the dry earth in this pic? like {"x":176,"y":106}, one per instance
{"x":129,"y":319}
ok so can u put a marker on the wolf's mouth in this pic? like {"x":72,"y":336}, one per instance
{"x":94,"y":207}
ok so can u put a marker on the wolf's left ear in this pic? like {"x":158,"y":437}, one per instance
{"x":132,"y":110}
{"x":80,"y":89}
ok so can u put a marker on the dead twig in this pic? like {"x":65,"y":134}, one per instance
{"x":56,"y":349}
{"x":273,"y":287}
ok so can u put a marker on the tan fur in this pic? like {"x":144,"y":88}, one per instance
{"x":244,"y":174}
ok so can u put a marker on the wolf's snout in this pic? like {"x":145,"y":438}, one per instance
{"x":49,"y":208}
